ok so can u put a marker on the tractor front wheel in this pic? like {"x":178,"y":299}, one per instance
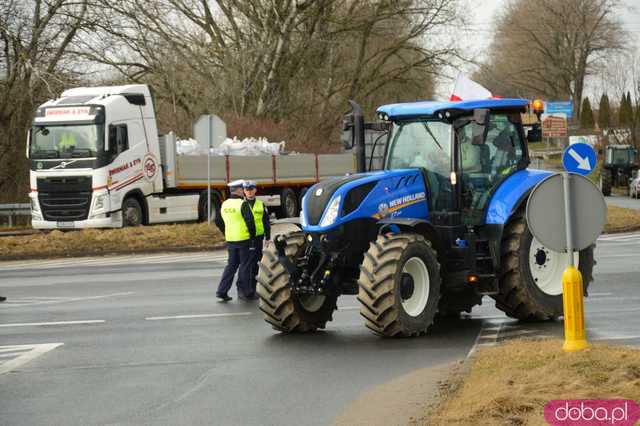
{"x":399,"y":285}
{"x":283,"y":309}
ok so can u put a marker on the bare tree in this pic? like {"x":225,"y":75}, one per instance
{"x":549,"y":47}
{"x":35,"y":38}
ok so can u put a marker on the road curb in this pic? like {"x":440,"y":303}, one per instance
{"x":407,"y":399}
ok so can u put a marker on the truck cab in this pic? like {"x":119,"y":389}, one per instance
{"x":94,"y":158}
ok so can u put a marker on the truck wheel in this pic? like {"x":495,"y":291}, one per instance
{"x":288,"y":204}
{"x":216,"y":203}
{"x":531,"y":274}
{"x":605,"y":182}
{"x":399,"y":285}
{"x":284,"y":310}
{"x":303,"y":191}
{"x":452,"y":304}
{"x":131,"y":213}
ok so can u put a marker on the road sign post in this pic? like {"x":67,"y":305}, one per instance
{"x":209,"y":130}
{"x":579,"y":205}
{"x":575,"y":337}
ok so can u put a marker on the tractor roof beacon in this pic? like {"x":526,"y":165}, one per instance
{"x":438,"y":228}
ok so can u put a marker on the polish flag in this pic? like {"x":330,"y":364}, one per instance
{"x":465,"y":89}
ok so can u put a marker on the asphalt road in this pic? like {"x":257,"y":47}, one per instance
{"x":115,"y":341}
{"x":623,"y":201}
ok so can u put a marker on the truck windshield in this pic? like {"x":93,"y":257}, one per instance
{"x":66,"y":141}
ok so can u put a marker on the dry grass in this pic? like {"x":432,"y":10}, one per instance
{"x":511,"y":383}
{"x":622,"y":220}
{"x":90,"y":242}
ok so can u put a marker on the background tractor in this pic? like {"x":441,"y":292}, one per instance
{"x":618,"y":166}
{"x":442,"y":225}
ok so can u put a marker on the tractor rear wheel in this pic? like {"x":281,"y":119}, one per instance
{"x":605,"y":182}
{"x":283,"y":309}
{"x":531,"y":274}
{"x":399,"y":285}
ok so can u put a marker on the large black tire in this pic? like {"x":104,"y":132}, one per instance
{"x":520,"y":296}
{"x":452,"y":304}
{"x":216,"y":203}
{"x":283,"y":309}
{"x":387,"y":295}
{"x":288,"y":204}
{"x":132,"y":214}
{"x":605,"y":182}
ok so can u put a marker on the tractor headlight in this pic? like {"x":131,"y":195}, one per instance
{"x":331,"y":214}
{"x":34,"y":205}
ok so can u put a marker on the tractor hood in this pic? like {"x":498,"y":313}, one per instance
{"x":374,"y":195}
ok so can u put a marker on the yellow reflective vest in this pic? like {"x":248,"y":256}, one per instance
{"x":258,"y":213}
{"x":235,"y":229}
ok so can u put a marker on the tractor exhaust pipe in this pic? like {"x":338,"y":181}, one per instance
{"x":358,"y":137}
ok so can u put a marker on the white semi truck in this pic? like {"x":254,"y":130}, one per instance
{"x":97,"y":161}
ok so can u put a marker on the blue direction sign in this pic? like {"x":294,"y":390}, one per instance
{"x":579,"y":158}
{"x":564,"y":107}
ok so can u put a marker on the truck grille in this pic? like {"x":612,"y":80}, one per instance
{"x":65,"y":198}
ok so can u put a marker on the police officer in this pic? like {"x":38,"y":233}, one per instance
{"x":237,"y":224}
{"x":263,"y":227}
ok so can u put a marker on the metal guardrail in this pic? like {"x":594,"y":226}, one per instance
{"x":13,"y":210}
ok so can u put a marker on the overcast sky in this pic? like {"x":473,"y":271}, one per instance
{"x":478,"y":37}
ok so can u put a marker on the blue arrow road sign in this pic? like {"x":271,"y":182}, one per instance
{"x":579,"y":158}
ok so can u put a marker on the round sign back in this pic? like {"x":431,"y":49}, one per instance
{"x":546,"y":214}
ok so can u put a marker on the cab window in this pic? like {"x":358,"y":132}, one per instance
{"x":425,"y":145}
{"x":485,"y":166}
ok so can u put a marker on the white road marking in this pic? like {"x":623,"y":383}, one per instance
{"x":198,"y":257}
{"x":599,"y":294}
{"x":230,"y":314}
{"x":348,"y":308}
{"x":37,"y":324}
{"x":30,"y":301}
{"x":618,"y":237}
{"x":29,"y":352}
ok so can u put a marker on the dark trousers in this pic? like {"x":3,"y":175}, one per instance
{"x":257,"y":255}
{"x":239,"y":259}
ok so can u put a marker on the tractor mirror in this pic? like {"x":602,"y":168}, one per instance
{"x":346,"y":135}
{"x":480,"y":126}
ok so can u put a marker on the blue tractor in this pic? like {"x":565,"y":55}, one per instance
{"x":442,"y":225}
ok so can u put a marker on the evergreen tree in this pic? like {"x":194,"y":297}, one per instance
{"x":586,"y":116}
{"x":604,"y":119}
{"x":630,"y":117}
{"x":623,"y":112}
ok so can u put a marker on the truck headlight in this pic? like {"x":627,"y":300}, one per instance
{"x":331,"y":214}
{"x":34,"y":205}
{"x":99,"y":205}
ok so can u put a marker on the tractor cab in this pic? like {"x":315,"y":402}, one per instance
{"x":463,"y":152}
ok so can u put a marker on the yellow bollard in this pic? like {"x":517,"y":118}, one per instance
{"x":574,"y":333}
